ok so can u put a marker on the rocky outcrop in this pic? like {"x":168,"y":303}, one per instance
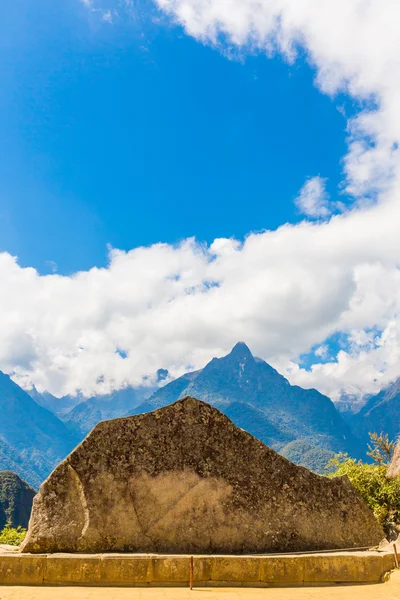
{"x":185,"y":479}
{"x":394,"y":467}
{"x":16,"y":498}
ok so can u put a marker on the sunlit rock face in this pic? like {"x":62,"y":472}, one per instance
{"x":185,"y":479}
{"x":394,"y":467}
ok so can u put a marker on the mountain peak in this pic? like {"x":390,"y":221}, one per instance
{"x":241,"y":350}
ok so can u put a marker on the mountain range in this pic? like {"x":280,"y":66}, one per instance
{"x":37,"y":429}
{"x":58,"y":406}
{"x":298,"y":423}
{"x":30,"y":435}
{"x":85,"y":415}
{"x":380,"y":413}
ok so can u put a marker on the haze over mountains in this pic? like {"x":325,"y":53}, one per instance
{"x":37,"y":439}
{"x":81,"y":414}
{"x":37,"y":430}
{"x":85,"y":415}
{"x":58,"y":406}
{"x":380,"y":413}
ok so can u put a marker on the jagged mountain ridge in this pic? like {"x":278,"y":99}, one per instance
{"x":58,"y":406}
{"x":303,"y":425}
{"x":380,"y":413}
{"x":85,"y":415}
{"x":257,"y":398}
{"x":38,"y":439}
{"x":81,"y":413}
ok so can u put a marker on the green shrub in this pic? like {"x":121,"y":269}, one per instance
{"x":370,"y":480}
{"x":12,"y":536}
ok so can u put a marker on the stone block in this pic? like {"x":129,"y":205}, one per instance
{"x":22,"y":570}
{"x":235,"y":569}
{"x":72,"y":569}
{"x":282,"y":570}
{"x":126,"y":570}
{"x":171,"y":570}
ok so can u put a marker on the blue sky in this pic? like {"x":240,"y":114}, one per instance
{"x":130,"y":133}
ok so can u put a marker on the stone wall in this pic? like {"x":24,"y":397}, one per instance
{"x":212,"y":571}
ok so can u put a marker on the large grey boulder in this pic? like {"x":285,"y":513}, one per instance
{"x":185,"y":479}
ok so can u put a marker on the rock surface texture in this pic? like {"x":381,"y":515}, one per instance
{"x":394,"y":468}
{"x":185,"y":479}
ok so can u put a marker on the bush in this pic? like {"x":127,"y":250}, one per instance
{"x":380,"y":493}
{"x":12,"y":536}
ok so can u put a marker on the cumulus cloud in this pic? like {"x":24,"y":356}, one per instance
{"x":176,"y":307}
{"x":313,"y":200}
{"x":357,"y":371}
{"x":283,"y":291}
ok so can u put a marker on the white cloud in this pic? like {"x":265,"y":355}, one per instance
{"x":105,"y":13}
{"x":313,"y":200}
{"x":282,"y":291}
{"x":52,"y":266}
{"x":107,"y":16}
{"x":322,"y":351}
{"x":358,"y":371}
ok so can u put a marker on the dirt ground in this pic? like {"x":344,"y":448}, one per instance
{"x":385,"y":591}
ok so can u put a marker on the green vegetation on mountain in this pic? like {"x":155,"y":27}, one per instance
{"x":30,"y":435}
{"x":305,"y":453}
{"x":11,"y":460}
{"x":16,"y":498}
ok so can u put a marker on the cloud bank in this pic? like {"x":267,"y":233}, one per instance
{"x":176,"y":307}
{"x":284,"y":292}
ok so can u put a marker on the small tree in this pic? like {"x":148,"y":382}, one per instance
{"x":381,"y":449}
